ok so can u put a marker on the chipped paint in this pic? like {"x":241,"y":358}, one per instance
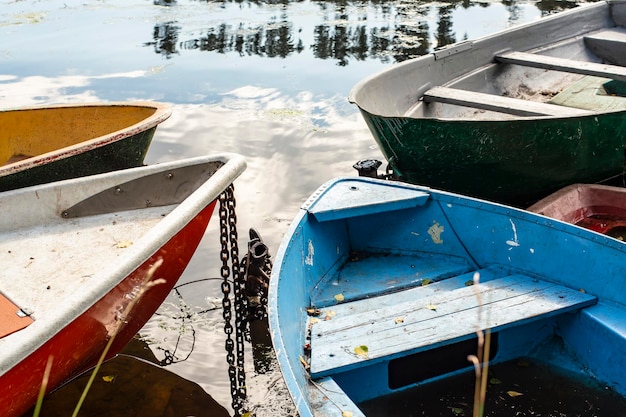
{"x":310,"y":252}
{"x":435,"y":232}
{"x":515,"y":241}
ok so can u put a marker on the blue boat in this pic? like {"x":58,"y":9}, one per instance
{"x":381,"y":288}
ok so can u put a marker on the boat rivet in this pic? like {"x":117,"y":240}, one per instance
{"x":65,"y":214}
{"x":169,"y":176}
{"x":118,"y":190}
{"x":24,"y":312}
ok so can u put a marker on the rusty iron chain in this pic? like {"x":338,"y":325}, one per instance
{"x":234,"y":348}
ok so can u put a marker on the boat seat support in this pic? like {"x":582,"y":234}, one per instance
{"x":439,"y":318}
{"x":329,"y":399}
{"x":561,"y":64}
{"x":499,"y":103}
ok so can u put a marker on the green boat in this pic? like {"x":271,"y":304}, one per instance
{"x":57,"y":142}
{"x":511,"y":117}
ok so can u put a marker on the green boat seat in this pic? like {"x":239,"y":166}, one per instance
{"x":496,"y":103}
{"x":614,"y":72}
{"x":608,"y":44}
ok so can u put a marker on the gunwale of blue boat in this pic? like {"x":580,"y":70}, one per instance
{"x":386,"y":265}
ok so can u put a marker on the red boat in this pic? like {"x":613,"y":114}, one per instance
{"x":77,"y":253}
{"x":600,"y":208}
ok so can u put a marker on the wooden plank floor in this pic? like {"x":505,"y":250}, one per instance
{"x":432,"y":320}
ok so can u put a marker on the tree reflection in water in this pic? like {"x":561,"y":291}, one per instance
{"x":389,"y":31}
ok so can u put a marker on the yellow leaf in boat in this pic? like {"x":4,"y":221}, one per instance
{"x":514,"y":393}
{"x":304,"y":363}
{"x":346,"y":414}
{"x":313,"y":312}
{"x":399,"y":320}
{"x":108,"y":378}
{"x":426,"y":281}
{"x":314,"y":320}
{"x":339,"y":298}
{"x":361,"y":350}
{"x":431,"y":307}
{"x":469,"y":283}
{"x":124,"y":244}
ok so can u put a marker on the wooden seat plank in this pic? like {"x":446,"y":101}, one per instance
{"x":426,"y":290}
{"x":608,"y":44}
{"x":614,"y":72}
{"x":435,"y":320}
{"x":500,"y":104}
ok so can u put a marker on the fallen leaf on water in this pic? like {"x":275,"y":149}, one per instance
{"x":514,"y":393}
{"x":361,"y":350}
{"x":108,"y":378}
{"x":339,"y":297}
{"x":124,"y":244}
{"x":457,"y":411}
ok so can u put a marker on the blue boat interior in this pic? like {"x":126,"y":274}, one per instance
{"x":396,"y":293}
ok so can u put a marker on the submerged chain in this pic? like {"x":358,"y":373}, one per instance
{"x":230,"y":250}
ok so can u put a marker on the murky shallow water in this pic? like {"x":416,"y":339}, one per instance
{"x":268,"y":80}
{"x":522,"y":387}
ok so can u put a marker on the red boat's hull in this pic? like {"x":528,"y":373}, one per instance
{"x":78,"y":346}
{"x":596,"y":207}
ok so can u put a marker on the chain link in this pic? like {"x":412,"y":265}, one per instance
{"x":247,"y":290}
{"x":228,"y":234}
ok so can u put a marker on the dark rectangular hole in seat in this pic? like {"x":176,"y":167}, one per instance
{"x":431,"y":363}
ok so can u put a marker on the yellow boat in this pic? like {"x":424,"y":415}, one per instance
{"x":57,"y":142}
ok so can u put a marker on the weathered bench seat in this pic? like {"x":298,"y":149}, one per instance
{"x":497,"y":103}
{"x":430,"y":317}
